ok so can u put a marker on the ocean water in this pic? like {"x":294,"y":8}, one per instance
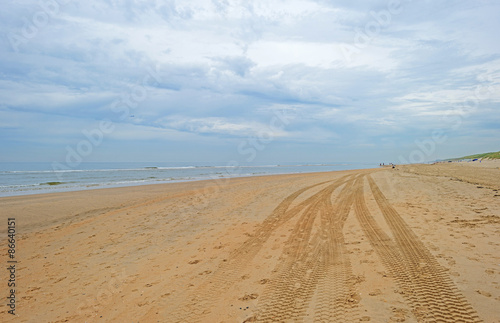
{"x":36,"y":178}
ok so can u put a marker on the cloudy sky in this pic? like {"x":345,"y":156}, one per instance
{"x":251,"y":81}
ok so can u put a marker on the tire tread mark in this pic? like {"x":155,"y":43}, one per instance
{"x":311,"y":259}
{"x":424,"y":282}
{"x":335,"y":291}
{"x":198,"y":303}
{"x":292,"y":287}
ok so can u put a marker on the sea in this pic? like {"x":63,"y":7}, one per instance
{"x":36,"y":178}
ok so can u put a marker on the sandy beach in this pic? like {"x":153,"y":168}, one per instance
{"x":419,"y":243}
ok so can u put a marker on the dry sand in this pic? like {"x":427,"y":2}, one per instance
{"x":419,"y":243}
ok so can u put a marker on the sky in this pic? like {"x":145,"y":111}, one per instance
{"x":248,"y":81}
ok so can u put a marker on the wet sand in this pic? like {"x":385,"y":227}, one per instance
{"x":418,"y":243}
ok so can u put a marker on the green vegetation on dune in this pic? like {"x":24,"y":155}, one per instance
{"x":492,"y":155}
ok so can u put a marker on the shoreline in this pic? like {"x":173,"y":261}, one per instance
{"x":210,"y":252}
{"x":203,"y":187}
{"x":59,"y":187}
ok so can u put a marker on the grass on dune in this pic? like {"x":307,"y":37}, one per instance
{"x":492,"y":155}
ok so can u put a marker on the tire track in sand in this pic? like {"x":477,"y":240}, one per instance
{"x":438,"y":298}
{"x":423,"y":282}
{"x":314,"y":265}
{"x":336,"y":295}
{"x":197,"y":305}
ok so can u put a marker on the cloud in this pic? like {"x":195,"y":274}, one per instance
{"x":238,"y":65}
{"x":224,"y":66}
{"x":222,"y":126}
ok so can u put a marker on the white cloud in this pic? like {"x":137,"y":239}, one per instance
{"x":222,"y":126}
{"x":271,"y":53}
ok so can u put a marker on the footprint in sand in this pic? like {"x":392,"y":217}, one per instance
{"x":375,"y":292}
{"x":249,"y":297}
{"x":482,"y":292}
{"x":206,"y":272}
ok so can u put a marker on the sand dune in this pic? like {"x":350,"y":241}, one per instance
{"x":416,"y":244}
